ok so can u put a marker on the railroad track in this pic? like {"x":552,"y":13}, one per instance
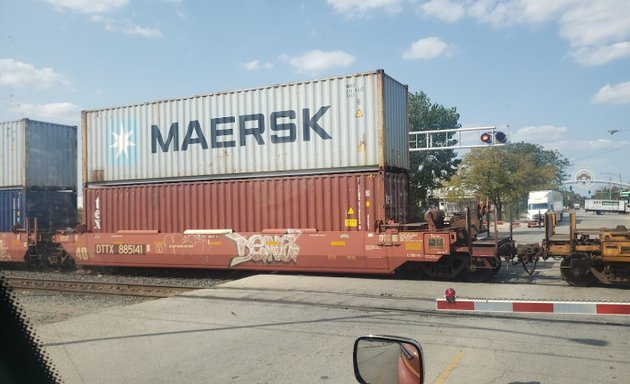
{"x":92,"y":287}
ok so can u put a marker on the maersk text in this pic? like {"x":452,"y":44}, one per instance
{"x":222,"y":130}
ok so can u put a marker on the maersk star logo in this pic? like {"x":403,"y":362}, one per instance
{"x":122,"y":142}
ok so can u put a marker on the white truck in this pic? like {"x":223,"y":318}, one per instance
{"x":541,"y":202}
{"x":606,"y":206}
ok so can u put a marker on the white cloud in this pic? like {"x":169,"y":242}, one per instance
{"x":127,"y":26}
{"x":18,"y":74}
{"x":539,"y":11}
{"x":539,"y":134}
{"x":592,"y":23}
{"x":97,"y":9}
{"x":597,"y":31}
{"x":515,"y":12}
{"x":57,"y":112}
{"x":256,"y":65}
{"x":315,"y":61}
{"x":445,"y":10}
{"x":601,"y":55}
{"x":595,"y":153}
{"x":497,"y":14}
{"x":426,"y":49}
{"x":88,"y":6}
{"x":614,"y":94}
{"x":358,"y":8}
{"x":578,"y":147}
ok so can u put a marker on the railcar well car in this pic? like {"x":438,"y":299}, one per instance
{"x":309,"y":176}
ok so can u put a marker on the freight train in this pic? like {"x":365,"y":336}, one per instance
{"x":589,"y":256}
{"x":309,"y":177}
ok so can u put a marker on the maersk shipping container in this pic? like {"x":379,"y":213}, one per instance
{"x":340,"y":124}
{"x":37,"y":154}
{"x":54,"y":209}
{"x":331,"y":202}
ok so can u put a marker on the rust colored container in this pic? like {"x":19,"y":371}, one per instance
{"x":336,"y":202}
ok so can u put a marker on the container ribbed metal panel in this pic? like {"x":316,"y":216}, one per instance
{"x":53,"y":209}
{"x":11,"y":207}
{"x":38,"y":154}
{"x":331,"y":202}
{"x":342,"y":124}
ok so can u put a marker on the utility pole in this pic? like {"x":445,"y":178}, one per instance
{"x":610,"y":182}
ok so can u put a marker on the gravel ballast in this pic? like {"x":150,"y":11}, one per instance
{"x":44,"y":307}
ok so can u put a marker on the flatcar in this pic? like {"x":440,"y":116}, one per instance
{"x":310,"y":176}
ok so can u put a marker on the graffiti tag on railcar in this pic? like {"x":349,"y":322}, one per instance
{"x":265,"y":249}
{"x":120,"y":249}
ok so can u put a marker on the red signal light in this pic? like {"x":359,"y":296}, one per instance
{"x":450,"y":295}
{"x":486,"y":138}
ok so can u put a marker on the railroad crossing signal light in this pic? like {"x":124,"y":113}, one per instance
{"x":499,"y":137}
{"x":486,"y":138}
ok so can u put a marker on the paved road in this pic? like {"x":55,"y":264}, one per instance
{"x":584,"y":220}
{"x":288,"y":329}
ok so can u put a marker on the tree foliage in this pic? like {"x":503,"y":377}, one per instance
{"x":544,"y":158}
{"x":506,"y":174}
{"x":429,"y":169}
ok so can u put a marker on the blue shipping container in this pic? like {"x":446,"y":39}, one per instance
{"x":37,"y":154}
{"x":11,"y":207}
{"x":54,"y":209}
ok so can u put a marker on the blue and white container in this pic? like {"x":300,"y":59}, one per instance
{"x":340,"y":124}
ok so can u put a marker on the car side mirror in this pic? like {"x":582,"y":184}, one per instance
{"x":387,"y":360}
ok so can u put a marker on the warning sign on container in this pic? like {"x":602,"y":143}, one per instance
{"x":350,"y":211}
{"x":358,"y":114}
{"x":351,"y":223}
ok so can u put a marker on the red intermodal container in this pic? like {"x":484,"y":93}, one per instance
{"x":333,"y":202}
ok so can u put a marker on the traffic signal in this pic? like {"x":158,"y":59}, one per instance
{"x":499,"y":137}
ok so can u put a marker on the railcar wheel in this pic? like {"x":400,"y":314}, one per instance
{"x":576,"y":270}
{"x":481,"y":270}
{"x":34,"y":261}
{"x":410,"y":271}
{"x":67,"y":263}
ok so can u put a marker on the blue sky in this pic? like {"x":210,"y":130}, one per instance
{"x":555,"y":73}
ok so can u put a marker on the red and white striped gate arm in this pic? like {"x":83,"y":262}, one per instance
{"x":517,"y":306}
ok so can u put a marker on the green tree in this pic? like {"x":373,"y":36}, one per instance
{"x":544,"y":158}
{"x":506,"y":174}
{"x":429,"y":169}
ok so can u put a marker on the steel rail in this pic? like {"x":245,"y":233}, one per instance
{"x":94,"y":287}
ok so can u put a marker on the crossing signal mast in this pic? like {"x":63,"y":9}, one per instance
{"x":456,"y":138}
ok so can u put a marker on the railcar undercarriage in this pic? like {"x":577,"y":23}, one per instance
{"x":589,"y":256}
